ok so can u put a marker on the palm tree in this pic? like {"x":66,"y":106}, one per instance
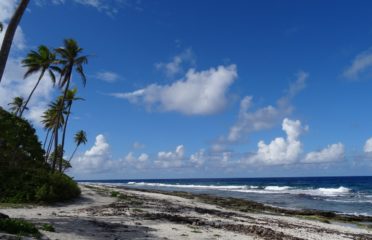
{"x":53,"y":119}
{"x":70,"y":58}
{"x":17,"y":105}
{"x":65,"y":164}
{"x":9,"y":34}
{"x":41,"y":61}
{"x":70,"y":98}
{"x":80,"y":137}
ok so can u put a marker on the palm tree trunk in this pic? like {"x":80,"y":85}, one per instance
{"x":73,"y":153}
{"x":55,"y":148}
{"x":32,"y":92}
{"x":68,"y":78}
{"x":49,"y":147}
{"x":64,"y":135}
{"x":46,"y":138}
{"x":9,"y":35}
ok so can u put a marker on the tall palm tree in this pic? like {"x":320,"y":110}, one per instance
{"x":17,"y":105}
{"x":80,"y":138}
{"x":70,"y":58}
{"x":9,"y":34}
{"x":70,"y":98}
{"x":41,"y":61}
{"x":53,"y":119}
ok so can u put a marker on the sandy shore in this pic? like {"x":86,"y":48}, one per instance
{"x":117,"y":213}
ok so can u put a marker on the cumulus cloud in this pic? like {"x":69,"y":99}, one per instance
{"x":361,"y":63}
{"x":95,"y":159}
{"x":368,"y":146}
{"x":140,"y":162}
{"x":281,"y":151}
{"x":107,"y":76}
{"x":331,"y":153}
{"x":7,"y":9}
{"x":198,"y":93}
{"x":13,"y":85}
{"x":198,"y":159}
{"x":172,"y":159}
{"x":266,"y":117}
{"x":175,"y":66}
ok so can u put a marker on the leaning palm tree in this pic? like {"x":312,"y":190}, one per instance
{"x":53,"y":119}
{"x":41,"y":61}
{"x":70,"y":98}
{"x":80,"y":138}
{"x":70,"y":58}
{"x":17,"y":105}
{"x":9,"y":34}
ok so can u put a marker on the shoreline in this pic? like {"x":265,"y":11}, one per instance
{"x":108,"y":212}
{"x":257,"y":206}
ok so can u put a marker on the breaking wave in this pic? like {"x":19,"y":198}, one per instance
{"x":340,"y":191}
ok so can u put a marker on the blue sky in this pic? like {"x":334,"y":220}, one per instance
{"x":209,"y":88}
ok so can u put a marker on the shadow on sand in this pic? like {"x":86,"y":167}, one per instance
{"x":85,"y":228}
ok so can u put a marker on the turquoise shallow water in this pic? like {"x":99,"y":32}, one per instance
{"x":351,"y":195}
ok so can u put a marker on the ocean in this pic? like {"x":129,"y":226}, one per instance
{"x":350,"y":195}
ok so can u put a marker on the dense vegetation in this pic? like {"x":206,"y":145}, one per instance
{"x":29,"y":170}
{"x":19,"y":227}
{"x":25,"y":176}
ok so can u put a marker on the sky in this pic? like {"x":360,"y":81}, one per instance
{"x":206,"y":89}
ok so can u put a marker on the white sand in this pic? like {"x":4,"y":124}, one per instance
{"x":145,"y":215}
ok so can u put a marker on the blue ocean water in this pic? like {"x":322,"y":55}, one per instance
{"x":351,"y":195}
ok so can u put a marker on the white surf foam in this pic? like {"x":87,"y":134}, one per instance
{"x":331,"y":192}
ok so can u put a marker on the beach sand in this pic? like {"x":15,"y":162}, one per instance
{"x":119,"y":213}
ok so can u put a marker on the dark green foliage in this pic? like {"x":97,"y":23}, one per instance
{"x":114,"y":194}
{"x":19,"y":227}
{"x":48,"y":227}
{"x":36,"y":185}
{"x":19,"y":145}
{"x":24,"y":175}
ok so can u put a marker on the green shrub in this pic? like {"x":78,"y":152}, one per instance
{"x":24,"y":175}
{"x":19,"y":227}
{"x":36,"y":186}
{"x":114,"y":194}
{"x":48,"y":227}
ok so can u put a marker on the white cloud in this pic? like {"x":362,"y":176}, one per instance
{"x":13,"y":85}
{"x":7,"y":8}
{"x":140,"y":162}
{"x":368,"y":146}
{"x":198,"y":93}
{"x":171,"y":159}
{"x":110,"y":8}
{"x":360,"y":64}
{"x":331,"y":153}
{"x":198,"y":159}
{"x":100,"y":148}
{"x":266,"y":117}
{"x":96,"y":159}
{"x":175,"y":66}
{"x":281,"y":151}
{"x":107,"y":76}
